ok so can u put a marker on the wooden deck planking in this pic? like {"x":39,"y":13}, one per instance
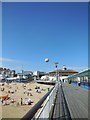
{"x":77,"y":99}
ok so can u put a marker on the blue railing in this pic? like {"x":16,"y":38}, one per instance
{"x":82,"y":85}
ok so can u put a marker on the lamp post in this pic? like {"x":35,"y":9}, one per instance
{"x":46,"y":60}
{"x":56,"y":65}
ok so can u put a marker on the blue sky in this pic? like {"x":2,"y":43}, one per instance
{"x":34,"y":31}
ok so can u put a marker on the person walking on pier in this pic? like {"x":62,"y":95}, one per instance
{"x":79,"y":82}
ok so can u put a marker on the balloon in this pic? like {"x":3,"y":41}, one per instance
{"x":46,"y":60}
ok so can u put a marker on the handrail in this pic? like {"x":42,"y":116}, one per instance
{"x":35,"y":108}
{"x":46,"y":109}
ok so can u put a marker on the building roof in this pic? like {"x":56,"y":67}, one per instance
{"x":82,"y":74}
{"x":6,"y":69}
{"x":26,"y":73}
{"x":64,"y":71}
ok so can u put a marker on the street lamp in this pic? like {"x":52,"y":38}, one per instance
{"x":46,"y":60}
{"x":56,"y":65}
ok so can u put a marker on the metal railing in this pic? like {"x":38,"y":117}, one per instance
{"x":47,"y":102}
{"x":45,"y":110}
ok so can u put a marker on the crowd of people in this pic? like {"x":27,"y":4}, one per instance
{"x":10,"y":91}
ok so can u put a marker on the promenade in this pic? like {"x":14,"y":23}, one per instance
{"x":77,"y":100}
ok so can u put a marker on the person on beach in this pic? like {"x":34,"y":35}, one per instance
{"x":29,"y":101}
{"x":48,"y":89}
{"x":12,"y":101}
{"x":2,"y":100}
{"x":21,"y":101}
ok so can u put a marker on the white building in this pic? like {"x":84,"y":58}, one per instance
{"x":4,"y":72}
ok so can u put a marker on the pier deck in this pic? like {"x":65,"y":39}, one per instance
{"x":77,"y":100}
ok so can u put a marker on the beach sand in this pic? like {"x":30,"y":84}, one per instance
{"x":21,"y":90}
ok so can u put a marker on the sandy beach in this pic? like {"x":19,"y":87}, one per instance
{"x":19,"y":94}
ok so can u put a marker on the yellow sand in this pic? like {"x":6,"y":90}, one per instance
{"x":15,"y":110}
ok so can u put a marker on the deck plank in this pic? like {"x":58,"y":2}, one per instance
{"x":77,"y":100}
